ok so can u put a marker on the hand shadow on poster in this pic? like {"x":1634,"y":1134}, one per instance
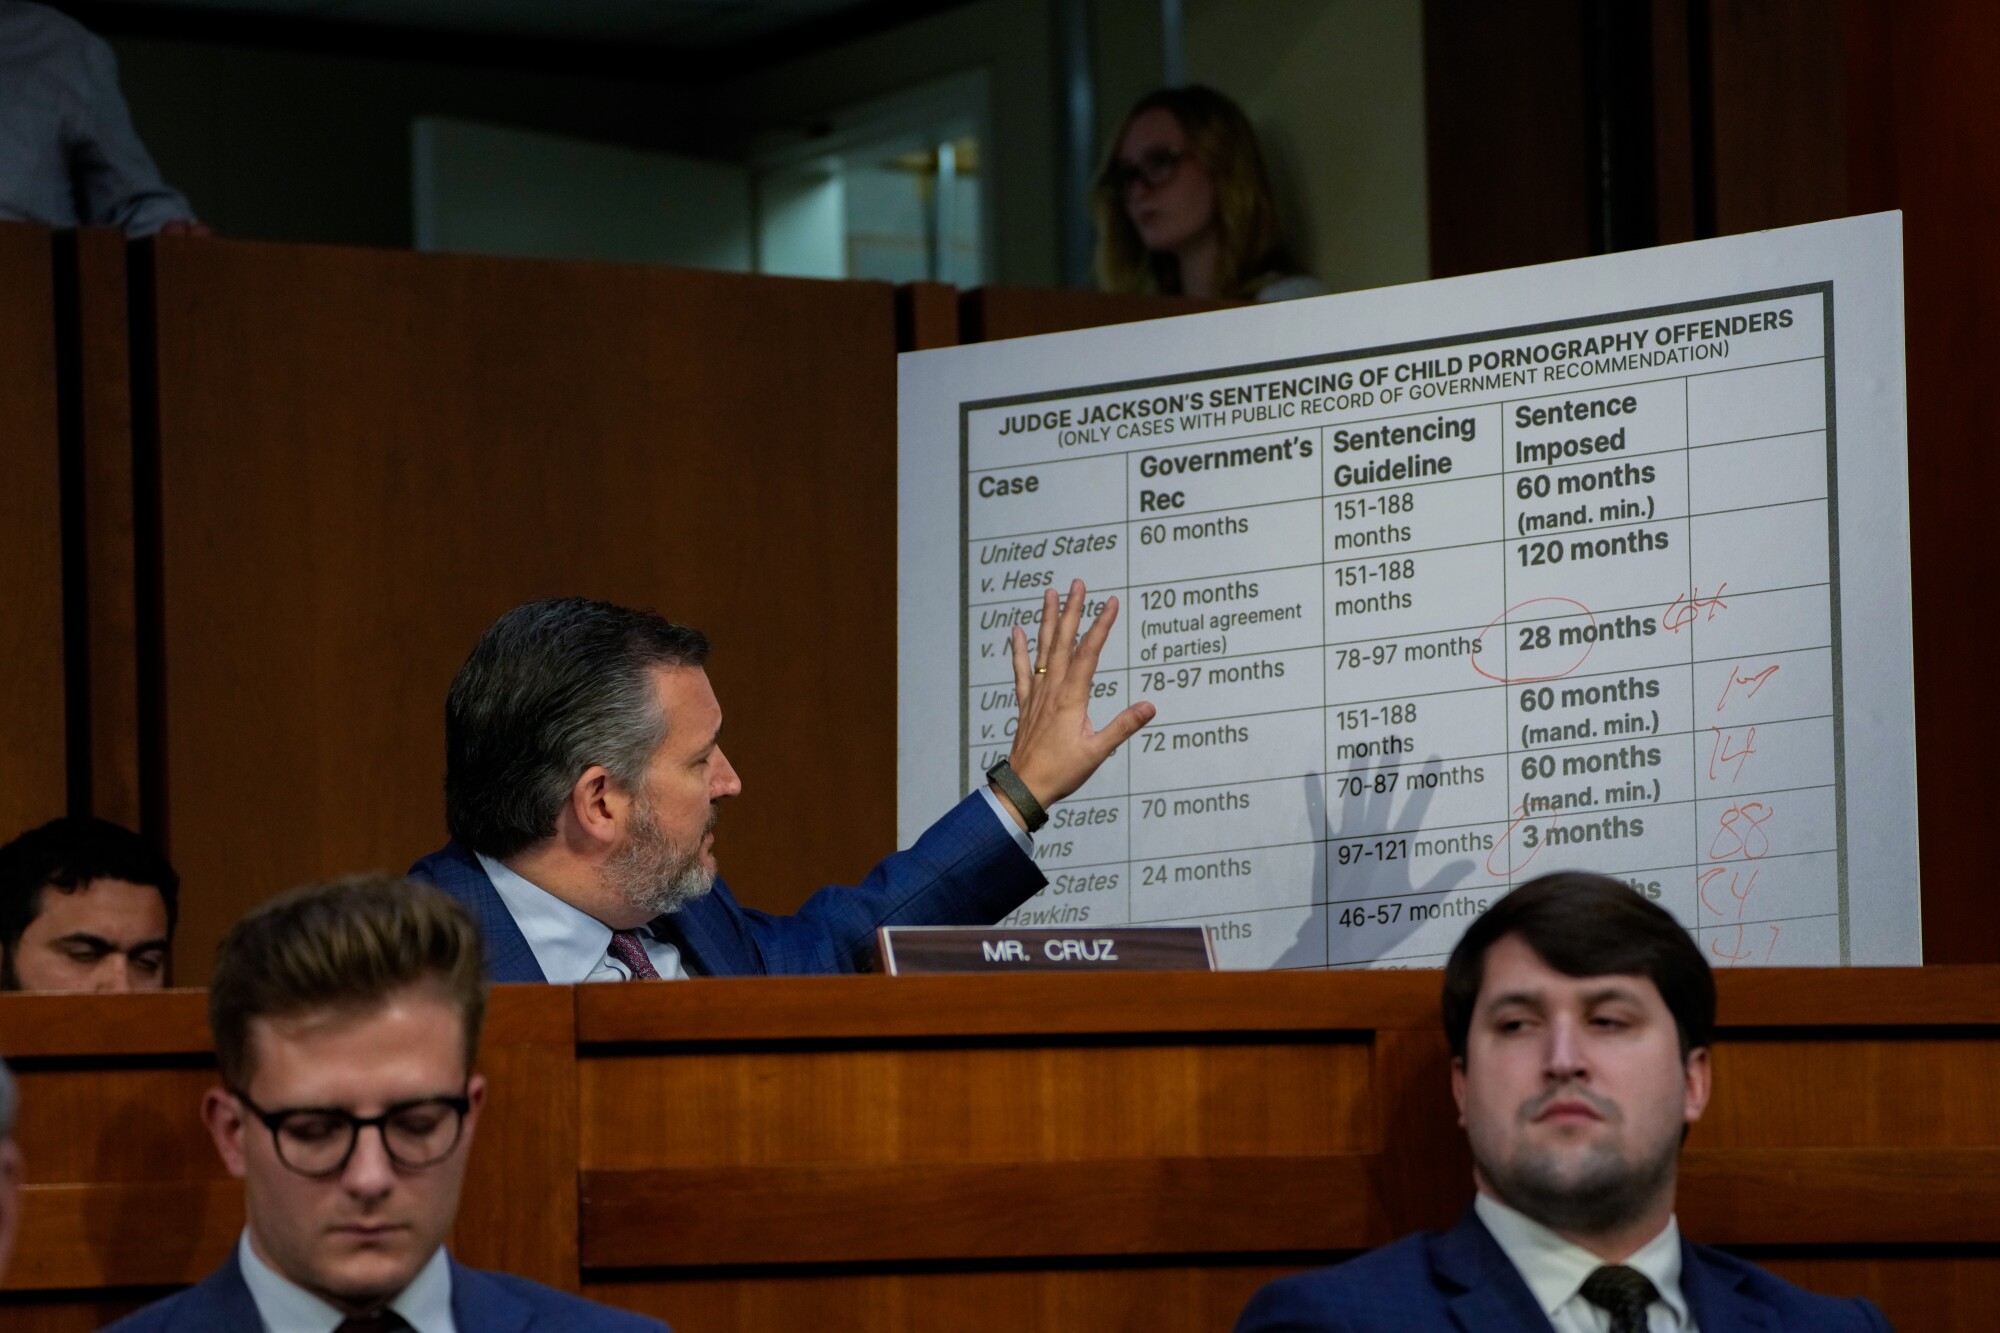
{"x":1368,"y":809}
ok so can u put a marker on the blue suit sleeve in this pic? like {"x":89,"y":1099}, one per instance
{"x":966,"y":870}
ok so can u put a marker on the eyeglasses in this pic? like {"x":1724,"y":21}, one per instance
{"x":317,"y":1141}
{"x":1156,"y":167}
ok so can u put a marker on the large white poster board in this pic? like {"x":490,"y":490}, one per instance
{"x":1598,"y":565}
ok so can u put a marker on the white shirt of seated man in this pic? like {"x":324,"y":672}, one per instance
{"x":1555,"y":1270}
{"x":286,"y":1307}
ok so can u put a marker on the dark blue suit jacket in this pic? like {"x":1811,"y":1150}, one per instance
{"x":1461,"y":1281}
{"x":480,"y":1303}
{"x":965,"y":870}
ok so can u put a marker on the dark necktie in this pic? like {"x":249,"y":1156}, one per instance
{"x":1625,"y":1292}
{"x":383,"y":1321}
{"x":629,"y":949}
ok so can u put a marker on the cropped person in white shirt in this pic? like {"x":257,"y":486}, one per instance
{"x":68,"y":153}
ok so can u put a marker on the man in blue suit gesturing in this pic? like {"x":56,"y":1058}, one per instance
{"x":583,"y":773}
{"x":346,"y":1020}
{"x":1580,"y":1016}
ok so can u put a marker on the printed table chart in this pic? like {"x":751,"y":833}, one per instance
{"x":1423,"y":623}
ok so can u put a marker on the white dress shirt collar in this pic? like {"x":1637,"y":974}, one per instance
{"x":570,"y":944}
{"x":1555,"y":1268}
{"x":567,"y":941}
{"x":286,"y":1307}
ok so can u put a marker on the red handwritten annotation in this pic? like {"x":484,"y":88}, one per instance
{"x":1505,"y":618}
{"x":1684,"y":611}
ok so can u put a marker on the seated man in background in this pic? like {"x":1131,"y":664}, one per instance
{"x":1579,"y":1016}
{"x":346,"y":1020}
{"x":10,"y":1171}
{"x":584,"y":768}
{"x":85,"y":906}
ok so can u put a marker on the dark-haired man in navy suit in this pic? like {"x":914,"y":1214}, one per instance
{"x":584,"y":770}
{"x":1579,"y":1016}
{"x":346,"y":1020}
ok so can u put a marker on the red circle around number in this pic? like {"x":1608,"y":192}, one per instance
{"x":1528,"y":680}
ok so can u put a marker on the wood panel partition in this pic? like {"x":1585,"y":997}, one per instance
{"x":1081,"y":1153}
{"x":1034,"y":1152}
{"x":33,"y":767}
{"x":107,"y":525}
{"x":360,"y":458}
{"x":1073,"y":1152}
{"x":987,"y":313}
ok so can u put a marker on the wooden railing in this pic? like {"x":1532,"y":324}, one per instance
{"x":1060,"y":1153}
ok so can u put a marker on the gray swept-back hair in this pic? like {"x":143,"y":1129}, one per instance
{"x":551,"y":689}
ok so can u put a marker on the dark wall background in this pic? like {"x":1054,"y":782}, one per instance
{"x":272,"y":143}
{"x":1561,"y":128}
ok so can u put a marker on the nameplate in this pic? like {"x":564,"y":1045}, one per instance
{"x":929,"y":950}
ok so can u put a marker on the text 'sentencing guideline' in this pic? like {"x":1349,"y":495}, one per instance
{"x":1606,"y":587}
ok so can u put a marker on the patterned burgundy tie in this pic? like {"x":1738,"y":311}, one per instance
{"x":629,"y":949}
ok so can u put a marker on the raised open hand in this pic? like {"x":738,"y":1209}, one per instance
{"x":1055,"y":747}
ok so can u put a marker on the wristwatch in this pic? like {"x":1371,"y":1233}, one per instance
{"x":1003,"y":776}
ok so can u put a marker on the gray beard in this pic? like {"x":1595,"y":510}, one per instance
{"x":652,"y":874}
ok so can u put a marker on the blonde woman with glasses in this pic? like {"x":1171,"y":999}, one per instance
{"x":1184,"y":206}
